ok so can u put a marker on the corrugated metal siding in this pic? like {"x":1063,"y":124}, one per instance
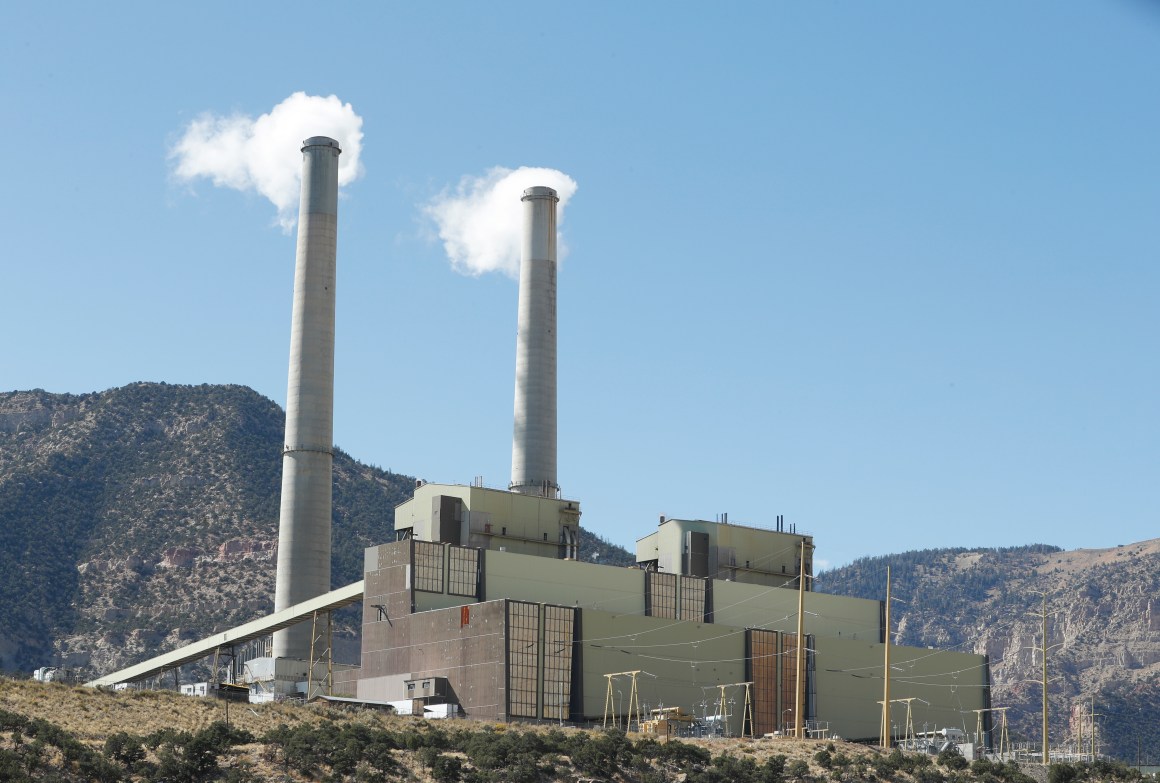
{"x":559,"y":635}
{"x":523,"y":658}
{"x":761,"y":652}
{"x":693,"y":595}
{"x":429,"y":566}
{"x":463,"y":571}
{"x":660,"y":595}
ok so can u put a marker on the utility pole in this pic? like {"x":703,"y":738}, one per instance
{"x":799,"y":716}
{"x":746,"y":715}
{"x":1092,"y":717}
{"x":633,"y":701}
{"x":885,"y":733}
{"x":1004,"y":737}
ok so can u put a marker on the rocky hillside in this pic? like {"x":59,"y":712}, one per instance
{"x":1103,"y":630}
{"x":138,"y":519}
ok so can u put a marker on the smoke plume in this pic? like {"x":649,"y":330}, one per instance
{"x":264,"y":154}
{"x":480,"y":221}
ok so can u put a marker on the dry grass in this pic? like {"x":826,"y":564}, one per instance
{"x":92,"y":716}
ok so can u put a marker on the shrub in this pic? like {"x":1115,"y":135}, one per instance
{"x":928,"y":774}
{"x":683,"y":755}
{"x":951,"y":758}
{"x":446,"y":769}
{"x":774,"y":769}
{"x":124,"y":748}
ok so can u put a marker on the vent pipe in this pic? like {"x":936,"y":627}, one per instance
{"x":534,"y":432}
{"x":307,"y":456}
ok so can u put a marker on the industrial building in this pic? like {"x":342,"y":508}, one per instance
{"x":485,"y":606}
{"x":521,"y":629}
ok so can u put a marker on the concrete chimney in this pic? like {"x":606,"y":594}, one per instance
{"x":307,"y":457}
{"x":534,"y":434}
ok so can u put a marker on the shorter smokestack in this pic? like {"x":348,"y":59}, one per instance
{"x":534,"y":433}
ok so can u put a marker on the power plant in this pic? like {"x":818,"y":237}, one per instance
{"x":482,"y":607}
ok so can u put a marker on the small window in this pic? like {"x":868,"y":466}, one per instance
{"x":545,"y":536}
{"x":503,"y":531}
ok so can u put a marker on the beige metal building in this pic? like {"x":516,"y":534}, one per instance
{"x":486,"y":589}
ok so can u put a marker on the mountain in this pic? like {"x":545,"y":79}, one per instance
{"x":1103,"y":630}
{"x":141,"y":518}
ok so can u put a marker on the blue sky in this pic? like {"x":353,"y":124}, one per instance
{"x":888,"y":269}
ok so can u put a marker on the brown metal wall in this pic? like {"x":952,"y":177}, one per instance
{"x":523,"y":659}
{"x":694,"y":592}
{"x":463,"y":571}
{"x":465,"y":644}
{"x":539,"y":655}
{"x":559,"y":638}
{"x":660,"y":595}
{"x":386,"y":582}
{"x":788,"y":698}
{"x":429,"y":570}
{"x":761,"y":652}
{"x":771,"y":664}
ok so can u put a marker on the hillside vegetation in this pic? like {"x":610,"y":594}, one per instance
{"x":56,"y":733}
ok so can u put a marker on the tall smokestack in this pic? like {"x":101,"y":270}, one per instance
{"x":304,"y":526}
{"x":534,"y":435}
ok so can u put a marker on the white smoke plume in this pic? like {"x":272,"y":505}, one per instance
{"x":264,"y":154}
{"x":480,"y":221}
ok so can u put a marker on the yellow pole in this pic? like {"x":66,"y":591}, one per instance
{"x":1006,"y":739}
{"x":886,"y":672}
{"x":748,"y":713}
{"x":609,"y":704}
{"x":633,"y":703}
{"x":1046,"y":752}
{"x":799,"y":727}
{"x":1093,"y":721}
{"x":310,"y":663}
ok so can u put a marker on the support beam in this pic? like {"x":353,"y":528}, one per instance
{"x":335,"y":599}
